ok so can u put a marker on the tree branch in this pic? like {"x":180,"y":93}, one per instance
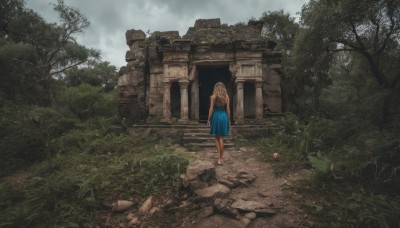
{"x":29,"y":63}
{"x":348,"y":43}
{"x":68,"y":67}
{"x":339,"y":50}
{"x":376,"y":39}
{"x":353,"y":28}
{"x":386,"y":40}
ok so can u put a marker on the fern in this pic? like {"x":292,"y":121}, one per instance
{"x":321,"y":164}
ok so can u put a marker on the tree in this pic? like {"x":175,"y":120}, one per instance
{"x":19,"y":82}
{"x":369,"y":28}
{"x":99,"y":74}
{"x":309,"y":65}
{"x":281,"y":28}
{"x":339,"y":32}
{"x":8,"y":8}
{"x":54,"y":45}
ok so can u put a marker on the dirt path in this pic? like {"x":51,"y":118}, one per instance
{"x":266,"y":189}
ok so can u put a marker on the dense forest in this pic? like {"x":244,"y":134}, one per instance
{"x":341,"y":93}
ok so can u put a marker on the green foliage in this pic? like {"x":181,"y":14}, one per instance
{"x":370,"y":28}
{"x":99,"y":75}
{"x":8,"y":10}
{"x":26,"y":131}
{"x":288,"y":159}
{"x":158,"y":171}
{"x":321,"y":164}
{"x":52,"y":46}
{"x":86,"y":101}
{"x":301,"y":137}
{"x":346,"y":204}
{"x":281,"y":28}
{"x":152,"y":38}
{"x":19,"y":80}
{"x":101,"y":168}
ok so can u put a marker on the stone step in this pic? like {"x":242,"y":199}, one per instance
{"x":198,"y":135}
{"x":207,"y":144}
{"x":201,"y":134}
{"x":202,"y":126}
{"x":204,"y":141}
{"x":204,"y":138}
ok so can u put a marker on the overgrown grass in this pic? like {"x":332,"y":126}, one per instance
{"x":89,"y":170}
{"x":348,"y":204}
{"x":356,"y":167}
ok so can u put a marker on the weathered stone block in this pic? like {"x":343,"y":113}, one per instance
{"x":198,"y":168}
{"x":133,"y":35}
{"x":214,"y":191}
{"x":208,"y":23}
{"x":154,"y":68}
{"x":272,"y":78}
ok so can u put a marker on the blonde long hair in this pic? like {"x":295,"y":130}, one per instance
{"x":221,"y":95}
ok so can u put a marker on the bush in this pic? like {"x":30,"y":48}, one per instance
{"x":86,"y":101}
{"x":26,"y":132}
{"x":84,"y":180}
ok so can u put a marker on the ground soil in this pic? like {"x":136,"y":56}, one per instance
{"x":267,"y":188}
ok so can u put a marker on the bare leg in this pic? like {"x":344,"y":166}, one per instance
{"x":217,"y":140}
{"x":221,"y":148}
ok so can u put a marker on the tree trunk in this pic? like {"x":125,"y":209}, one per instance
{"x":50,"y":89}
{"x":380,"y":77}
{"x":395,"y":81}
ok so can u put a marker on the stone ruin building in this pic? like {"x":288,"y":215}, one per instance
{"x":169,"y":78}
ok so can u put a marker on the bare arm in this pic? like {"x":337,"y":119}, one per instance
{"x":210,"y":111}
{"x":228,"y":110}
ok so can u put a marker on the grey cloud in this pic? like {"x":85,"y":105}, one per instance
{"x":110,"y":19}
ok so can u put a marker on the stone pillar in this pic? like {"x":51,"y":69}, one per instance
{"x":194,"y":110}
{"x":240,"y":98}
{"x":183,"y":84}
{"x":166,"y":102}
{"x":259,"y":100}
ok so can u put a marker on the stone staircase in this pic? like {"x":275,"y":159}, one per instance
{"x":192,"y":135}
{"x":199,"y":137}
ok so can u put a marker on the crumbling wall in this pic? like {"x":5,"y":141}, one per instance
{"x":132,"y":81}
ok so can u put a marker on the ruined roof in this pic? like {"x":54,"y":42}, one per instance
{"x":207,"y":34}
{"x":211,"y":31}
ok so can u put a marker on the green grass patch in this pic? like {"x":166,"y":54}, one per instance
{"x":347,"y":204}
{"x":89,"y":170}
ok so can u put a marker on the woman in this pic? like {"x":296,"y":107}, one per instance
{"x":219,"y":118}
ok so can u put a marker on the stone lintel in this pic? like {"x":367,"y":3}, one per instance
{"x":176,"y":62}
{"x":212,"y":62}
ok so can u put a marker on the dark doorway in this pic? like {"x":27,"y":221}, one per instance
{"x":208,"y":76}
{"x":249,"y":100}
{"x":175,"y":100}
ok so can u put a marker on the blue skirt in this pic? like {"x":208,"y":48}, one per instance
{"x":219,"y":123}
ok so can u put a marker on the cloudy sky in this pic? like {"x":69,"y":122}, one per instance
{"x":109,"y":19}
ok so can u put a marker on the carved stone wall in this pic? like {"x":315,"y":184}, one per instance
{"x":166,"y":70}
